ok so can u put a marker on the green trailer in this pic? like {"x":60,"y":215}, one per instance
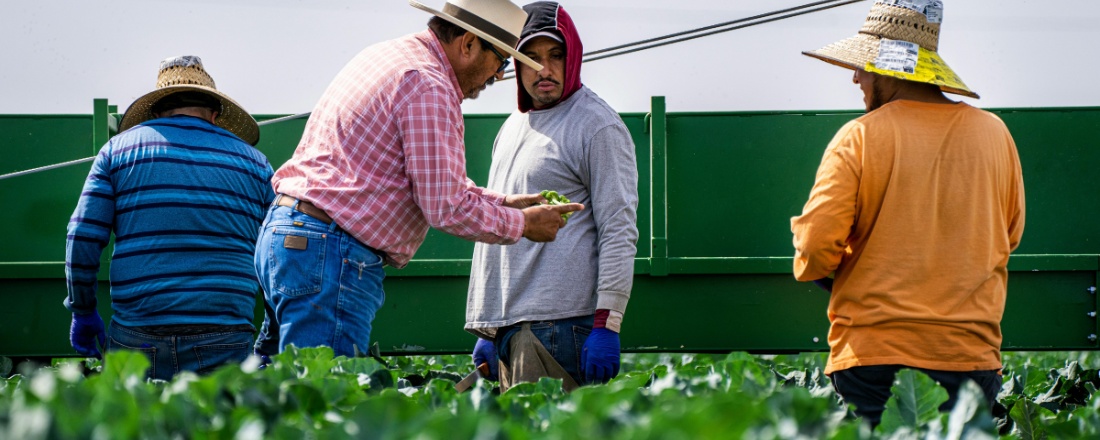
{"x":713,"y":270}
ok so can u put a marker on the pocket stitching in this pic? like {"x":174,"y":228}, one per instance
{"x":318,"y":274}
{"x":220,"y":347}
{"x":366,"y":264}
{"x":150,"y":352}
{"x":290,"y":231}
{"x":543,"y":326}
{"x":579,"y":346}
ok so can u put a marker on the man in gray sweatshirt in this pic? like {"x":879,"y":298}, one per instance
{"x":563,"y":138}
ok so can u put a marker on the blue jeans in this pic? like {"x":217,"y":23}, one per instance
{"x":169,"y":355}
{"x":563,"y":338}
{"x":323,"y":295}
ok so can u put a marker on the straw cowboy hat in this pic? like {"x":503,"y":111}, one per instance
{"x":186,"y":74}
{"x":898,"y":39}
{"x":498,"y":21}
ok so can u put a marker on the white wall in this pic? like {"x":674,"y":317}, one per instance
{"x":277,"y":56}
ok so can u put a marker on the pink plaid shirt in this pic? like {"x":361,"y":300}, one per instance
{"x":383,"y":154}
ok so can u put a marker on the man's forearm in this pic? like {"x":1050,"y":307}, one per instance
{"x":89,"y":231}
{"x":613,"y":180}
{"x":617,"y":249}
{"x":497,"y":199}
{"x":475,"y":218}
{"x":81,"y":269}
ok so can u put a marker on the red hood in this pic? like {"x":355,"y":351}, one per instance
{"x":550,"y":16}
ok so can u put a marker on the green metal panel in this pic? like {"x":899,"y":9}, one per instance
{"x":35,"y":205}
{"x":658,"y":184}
{"x":735,"y":180}
{"x":717,"y":192}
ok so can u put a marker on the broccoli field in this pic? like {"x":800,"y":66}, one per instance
{"x":306,"y":393}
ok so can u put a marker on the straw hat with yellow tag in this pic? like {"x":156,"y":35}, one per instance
{"x":900,"y":38}
{"x":186,"y":74}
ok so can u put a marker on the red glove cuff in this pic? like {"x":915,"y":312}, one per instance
{"x":601,"y":318}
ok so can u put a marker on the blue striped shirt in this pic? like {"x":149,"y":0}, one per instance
{"x":185,"y":200}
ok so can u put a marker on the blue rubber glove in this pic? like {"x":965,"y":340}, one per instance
{"x":264,"y":360}
{"x":86,"y":329}
{"x":825,"y":283}
{"x":600,"y":356}
{"x":486,"y":353}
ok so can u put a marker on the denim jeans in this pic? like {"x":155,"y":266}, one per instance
{"x":563,"y":338}
{"x":324,"y":295}
{"x":868,"y":388}
{"x":169,"y":355}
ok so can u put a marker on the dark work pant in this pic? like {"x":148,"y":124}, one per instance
{"x":868,"y":388}
{"x":563,"y":338}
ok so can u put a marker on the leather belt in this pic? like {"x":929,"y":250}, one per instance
{"x":304,"y":207}
{"x":308,"y":209}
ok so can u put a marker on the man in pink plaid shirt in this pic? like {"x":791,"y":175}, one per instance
{"x":382,"y":159}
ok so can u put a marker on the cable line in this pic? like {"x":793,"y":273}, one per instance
{"x":804,"y":9}
{"x":89,"y":159}
{"x":706,"y":28}
{"x":601,"y":54}
{"x":680,"y":40}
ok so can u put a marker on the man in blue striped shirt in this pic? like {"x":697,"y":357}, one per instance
{"x":184,"y":193}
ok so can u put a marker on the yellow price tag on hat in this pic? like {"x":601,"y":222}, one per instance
{"x":930,"y":69}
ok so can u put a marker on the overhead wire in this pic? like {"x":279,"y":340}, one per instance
{"x":89,"y":159}
{"x":601,"y":54}
{"x":706,"y":28}
{"x":615,"y":51}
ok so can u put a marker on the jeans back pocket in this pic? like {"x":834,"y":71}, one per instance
{"x":296,"y":271}
{"x":544,"y":332}
{"x":213,"y":355}
{"x":149,"y":352}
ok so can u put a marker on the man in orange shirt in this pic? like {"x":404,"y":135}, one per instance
{"x":916,"y":208}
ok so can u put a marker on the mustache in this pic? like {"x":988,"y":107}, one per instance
{"x":549,"y":80}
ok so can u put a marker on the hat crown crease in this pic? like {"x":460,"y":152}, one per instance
{"x":193,"y":74}
{"x":897,"y":23}
{"x":510,"y":19}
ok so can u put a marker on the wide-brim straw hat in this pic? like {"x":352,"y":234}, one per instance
{"x":900,"y":38}
{"x":186,"y":74}
{"x":499,"y":22}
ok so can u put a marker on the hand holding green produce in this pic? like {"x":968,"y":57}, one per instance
{"x":553,"y":199}
{"x":541,"y":222}
{"x":522,"y":201}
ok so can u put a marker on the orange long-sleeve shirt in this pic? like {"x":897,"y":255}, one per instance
{"x":916,"y":207}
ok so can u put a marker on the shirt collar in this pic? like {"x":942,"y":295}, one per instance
{"x":436,"y":48}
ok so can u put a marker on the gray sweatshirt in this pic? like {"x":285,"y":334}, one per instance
{"x":581,"y":149}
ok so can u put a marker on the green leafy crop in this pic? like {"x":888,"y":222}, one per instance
{"x":307,"y":393}
{"x":553,"y":198}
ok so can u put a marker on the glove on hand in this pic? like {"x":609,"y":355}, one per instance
{"x":825,"y":283}
{"x":264,"y":360}
{"x":86,"y":329}
{"x":486,"y":353}
{"x":600,"y":356}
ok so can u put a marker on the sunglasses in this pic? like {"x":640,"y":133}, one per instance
{"x":504,"y":61}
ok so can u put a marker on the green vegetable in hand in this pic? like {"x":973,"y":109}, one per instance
{"x":553,"y":198}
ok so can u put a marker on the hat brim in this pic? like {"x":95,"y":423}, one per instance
{"x":495,"y":42}
{"x":551,"y":35}
{"x":860,"y":52}
{"x":233,"y":118}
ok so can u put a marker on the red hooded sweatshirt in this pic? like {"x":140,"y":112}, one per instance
{"x":551,"y":17}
